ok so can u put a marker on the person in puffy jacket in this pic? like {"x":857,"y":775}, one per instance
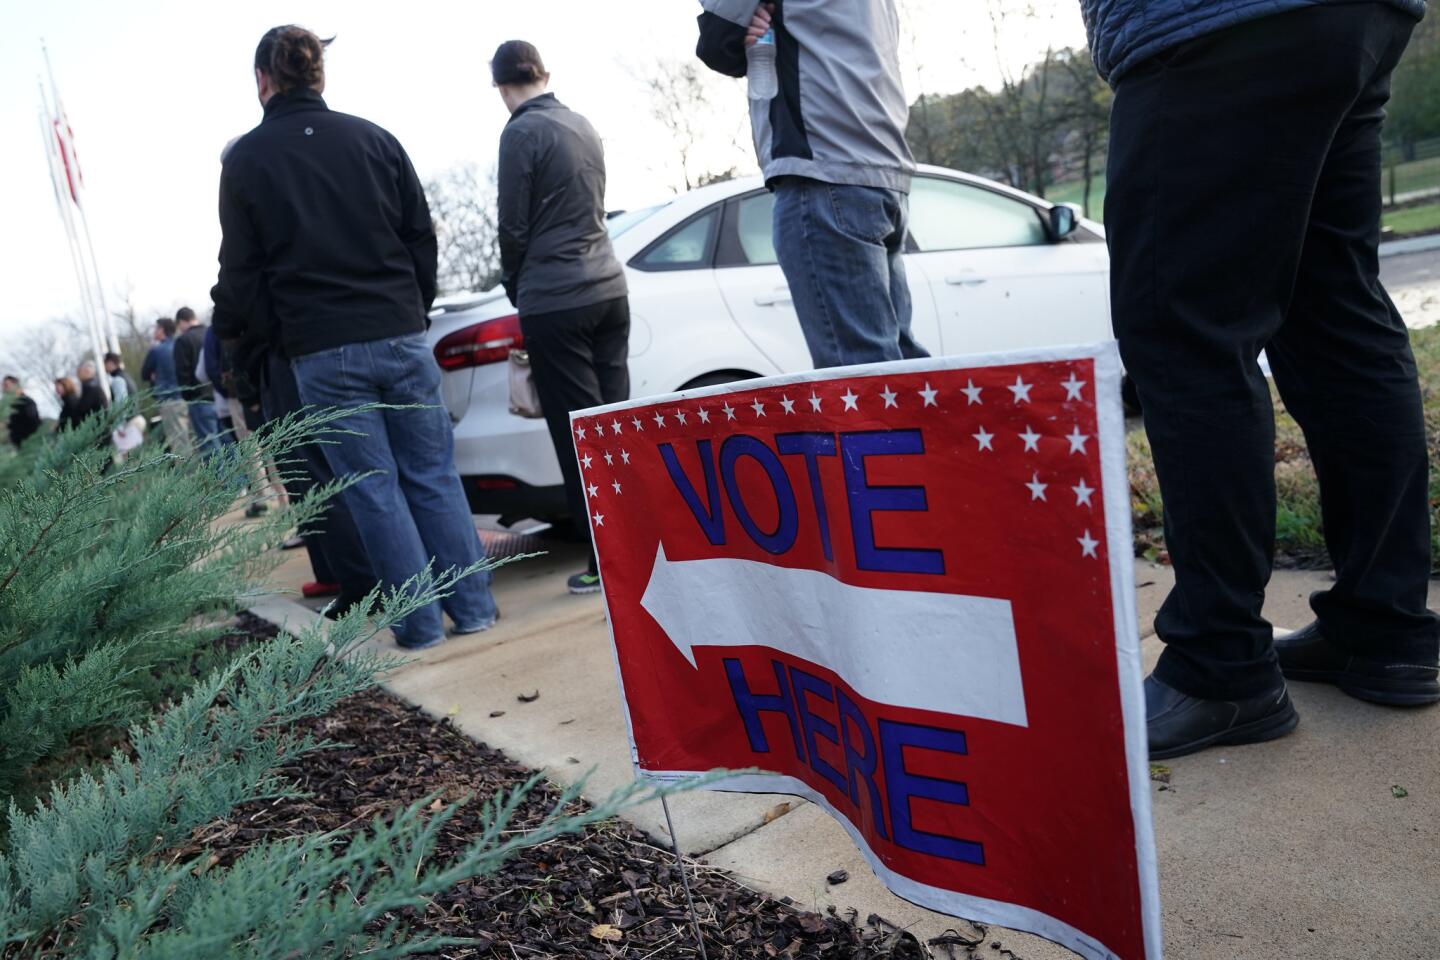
{"x":1243,"y":214}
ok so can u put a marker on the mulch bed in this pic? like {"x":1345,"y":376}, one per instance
{"x":547,"y":900}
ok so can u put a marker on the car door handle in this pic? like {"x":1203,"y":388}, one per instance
{"x":780,"y":296}
{"x":965,"y":280}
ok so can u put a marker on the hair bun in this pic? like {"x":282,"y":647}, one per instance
{"x":293,"y":57}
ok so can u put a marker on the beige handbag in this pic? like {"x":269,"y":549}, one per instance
{"x":524,"y":400}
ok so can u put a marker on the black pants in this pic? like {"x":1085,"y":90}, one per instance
{"x":1243,"y":214}
{"x":337,"y":554}
{"x":579,"y":359}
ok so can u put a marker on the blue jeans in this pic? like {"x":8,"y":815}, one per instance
{"x":413,"y":512}
{"x":841,"y":248}
{"x":205,"y":422}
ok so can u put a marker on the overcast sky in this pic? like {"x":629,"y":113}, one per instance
{"x":154,"y":89}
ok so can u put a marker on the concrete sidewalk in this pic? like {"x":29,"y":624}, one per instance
{"x":1301,"y":848}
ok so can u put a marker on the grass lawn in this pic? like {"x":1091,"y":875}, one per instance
{"x":1422,"y":219}
{"x":1300,"y":538}
{"x":1074,"y":192}
{"x":1415,"y":175}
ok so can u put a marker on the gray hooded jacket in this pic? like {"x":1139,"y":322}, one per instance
{"x":841,"y":112}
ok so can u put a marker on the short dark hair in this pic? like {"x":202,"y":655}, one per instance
{"x":183,"y":314}
{"x":11,"y":378}
{"x":516,"y":61}
{"x":114,"y":358}
{"x":292,"y":57}
{"x":166,"y":324}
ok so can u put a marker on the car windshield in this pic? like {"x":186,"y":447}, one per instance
{"x":618,"y":223}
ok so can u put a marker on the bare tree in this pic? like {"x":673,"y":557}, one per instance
{"x":703,"y":116}
{"x":40,"y":354}
{"x":463,"y":206}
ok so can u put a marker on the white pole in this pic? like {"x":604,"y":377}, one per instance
{"x":114,"y":340}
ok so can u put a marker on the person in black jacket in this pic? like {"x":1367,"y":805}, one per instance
{"x":327,"y":235}
{"x":557,"y":264}
{"x":67,"y":392}
{"x":92,"y":397}
{"x":24,"y":414}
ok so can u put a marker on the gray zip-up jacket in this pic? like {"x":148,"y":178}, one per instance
{"x":555,"y":252}
{"x":841,"y":112}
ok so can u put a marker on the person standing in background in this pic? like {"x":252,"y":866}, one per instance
{"x":24,"y":414}
{"x":67,"y":392}
{"x":158,"y":372}
{"x":327,"y":239}
{"x":1243,"y":214}
{"x":121,"y":386}
{"x":557,"y":265}
{"x":840,"y":169}
{"x":92,"y":397}
{"x":199,"y":404}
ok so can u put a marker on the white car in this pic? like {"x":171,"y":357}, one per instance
{"x":990,"y":268}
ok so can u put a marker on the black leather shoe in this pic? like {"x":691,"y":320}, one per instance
{"x":1307,"y":655}
{"x":1179,"y":724}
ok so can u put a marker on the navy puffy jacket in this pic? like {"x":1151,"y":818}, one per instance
{"x":1126,"y":32}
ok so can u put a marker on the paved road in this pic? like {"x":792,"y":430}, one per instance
{"x":1411,"y":269}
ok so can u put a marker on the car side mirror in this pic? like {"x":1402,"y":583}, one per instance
{"x":1061,"y":223}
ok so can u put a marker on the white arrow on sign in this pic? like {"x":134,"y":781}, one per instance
{"x":945,"y":652}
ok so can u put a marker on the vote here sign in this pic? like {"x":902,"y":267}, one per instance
{"x":905,"y":592}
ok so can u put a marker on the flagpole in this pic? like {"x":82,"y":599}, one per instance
{"x":77,"y":255}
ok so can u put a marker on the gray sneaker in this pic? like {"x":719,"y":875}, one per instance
{"x":583,"y":583}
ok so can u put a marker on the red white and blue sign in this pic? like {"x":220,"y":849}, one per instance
{"x":905,"y":591}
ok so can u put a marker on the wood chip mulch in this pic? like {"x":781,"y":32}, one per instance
{"x":608,"y":893}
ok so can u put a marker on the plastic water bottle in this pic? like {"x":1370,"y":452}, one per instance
{"x":760,"y":71}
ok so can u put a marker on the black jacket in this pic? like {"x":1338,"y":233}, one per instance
{"x":327,"y":236}
{"x":24,"y":419}
{"x":555,"y":252}
{"x":188,"y":347}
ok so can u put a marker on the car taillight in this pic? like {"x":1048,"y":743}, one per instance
{"x":479,"y":344}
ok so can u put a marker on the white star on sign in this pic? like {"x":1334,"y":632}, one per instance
{"x":1037,"y":489}
{"x":1088,"y":545}
{"x":788,"y":404}
{"x":1072,"y":387}
{"x":585,"y":461}
{"x":1082,"y":494}
{"x":680,"y":415}
{"x":729,"y":412}
{"x":972,"y":393}
{"x":1031,"y":438}
{"x":889,"y":396}
{"x":1021,"y":389}
{"x":609,"y":459}
{"x":759,"y":408}
{"x":599,"y":429}
{"x":849,"y":398}
{"x":593,"y":489}
{"x":659,"y":419}
{"x":638,"y":425}
{"x":599,"y":519}
{"x":1077,"y":440}
{"x":624,"y":456}
{"x":616,"y":485}
{"x":580,"y":432}
{"x":615,"y":427}
{"x":928,"y":394}
{"x":984,"y":439}
{"x":704,"y":415}
{"x":814,"y":402}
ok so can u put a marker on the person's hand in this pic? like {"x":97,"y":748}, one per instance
{"x":759,"y":24}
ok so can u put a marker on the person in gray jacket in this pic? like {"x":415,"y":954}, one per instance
{"x":832,"y":147}
{"x":557,"y":265}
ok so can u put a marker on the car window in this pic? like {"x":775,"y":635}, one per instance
{"x":686,"y":246}
{"x":948,"y":215}
{"x":618,"y":223}
{"x":754,"y":218}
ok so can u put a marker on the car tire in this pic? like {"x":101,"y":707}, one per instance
{"x":718,"y":377}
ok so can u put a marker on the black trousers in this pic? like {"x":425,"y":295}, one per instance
{"x":337,"y":554}
{"x":579,"y":359}
{"x":1243,"y":214}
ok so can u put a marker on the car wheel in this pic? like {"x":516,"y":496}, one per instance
{"x":718,"y":377}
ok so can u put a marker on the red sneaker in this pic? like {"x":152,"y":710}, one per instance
{"x":315,"y":589}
